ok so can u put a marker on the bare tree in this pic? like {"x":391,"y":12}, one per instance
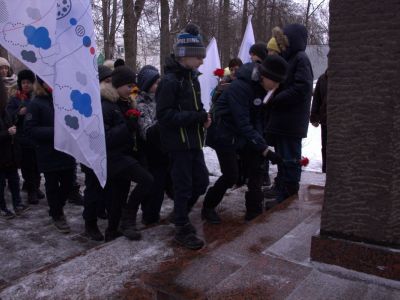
{"x":165,"y":34}
{"x":132,"y":11}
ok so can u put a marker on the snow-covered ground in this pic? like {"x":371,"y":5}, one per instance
{"x":311,"y":149}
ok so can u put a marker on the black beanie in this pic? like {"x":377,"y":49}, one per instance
{"x":260,"y":50}
{"x":119,"y":62}
{"x":123,"y":75}
{"x":147,"y":76}
{"x":25,"y":75}
{"x":274,"y":67}
{"x":104,"y":72}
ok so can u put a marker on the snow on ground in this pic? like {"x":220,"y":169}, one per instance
{"x":311,"y":148}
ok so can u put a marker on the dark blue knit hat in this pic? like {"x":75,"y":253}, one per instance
{"x":189,"y":43}
{"x":147,"y":76}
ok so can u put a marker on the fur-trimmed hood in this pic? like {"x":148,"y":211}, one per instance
{"x":108,"y":92}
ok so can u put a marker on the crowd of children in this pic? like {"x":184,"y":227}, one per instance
{"x":155,"y":139}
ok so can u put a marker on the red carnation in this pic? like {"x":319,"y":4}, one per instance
{"x":132,"y":113}
{"x":219,"y":72}
{"x":304,"y":161}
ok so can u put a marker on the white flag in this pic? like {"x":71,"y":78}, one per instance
{"x":56,"y":40}
{"x":208,"y":81}
{"x":247,"y":42}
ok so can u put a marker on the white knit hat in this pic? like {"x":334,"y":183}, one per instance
{"x":4,"y":62}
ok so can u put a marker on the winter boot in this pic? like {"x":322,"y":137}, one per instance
{"x":75,"y":197}
{"x":128,"y":225}
{"x":271,"y":192}
{"x":61,"y":224}
{"x":33,"y":198}
{"x":210,"y":215}
{"x":253,"y":204}
{"x":111,"y":235}
{"x":93,"y":231}
{"x":39,"y":194}
{"x":186,"y":236}
{"x":289,"y":189}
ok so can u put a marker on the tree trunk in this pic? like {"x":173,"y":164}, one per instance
{"x":165,"y":34}
{"x":307,"y":19}
{"x":224,"y":41}
{"x":245,"y":15}
{"x":132,"y":12}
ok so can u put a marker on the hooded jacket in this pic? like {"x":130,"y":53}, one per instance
{"x":179,"y":110}
{"x":289,"y":110}
{"x":237,"y":114}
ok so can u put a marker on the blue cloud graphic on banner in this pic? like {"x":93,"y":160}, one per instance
{"x":38,"y":37}
{"x":82,"y":103}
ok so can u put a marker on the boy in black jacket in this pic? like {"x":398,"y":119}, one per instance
{"x":182,"y":120}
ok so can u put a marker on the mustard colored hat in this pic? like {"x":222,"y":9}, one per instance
{"x":273,"y":45}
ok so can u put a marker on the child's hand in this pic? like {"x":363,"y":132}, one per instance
{"x":22,"y":111}
{"x":208,"y":122}
{"x":12,"y":130}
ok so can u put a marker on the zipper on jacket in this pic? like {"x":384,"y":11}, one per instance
{"x":182,"y":135}
{"x":197,"y":108}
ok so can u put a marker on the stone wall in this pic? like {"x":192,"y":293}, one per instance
{"x":362,"y":198}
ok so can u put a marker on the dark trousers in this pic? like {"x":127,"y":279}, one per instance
{"x":12,"y":178}
{"x":29,"y":169}
{"x":190,"y":180}
{"x":228,"y":163}
{"x":151,"y":209}
{"x":58,"y":186}
{"x":75,"y":184}
{"x":324,"y":136}
{"x":289,"y":173}
{"x":93,"y":196}
{"x":252,"y":169}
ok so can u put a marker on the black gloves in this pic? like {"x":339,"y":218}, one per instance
{"x":273,"y":157}
{"x":203,"y":117}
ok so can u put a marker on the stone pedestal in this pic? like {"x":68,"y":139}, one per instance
{"x":362,"y":198}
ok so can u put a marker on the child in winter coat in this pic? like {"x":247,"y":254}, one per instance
{"x":157,"y":159}
{"x":58,"y":167}
{"x":182,"y":120}
{"x":6,"y":75}
{"x":17,"y":108}
{"x":9,"y":159}
{"x":122,"y":167}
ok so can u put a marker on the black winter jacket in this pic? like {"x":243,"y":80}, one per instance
{"x":238,"y":115}
{"x":15,"y":103}
{"x":318,"y":109}
{"x":179,"y":110}
{"x":10,"y":154}
{"x":39,"y":126}
{"x":289,"y":110}
{"x":119,"y":140}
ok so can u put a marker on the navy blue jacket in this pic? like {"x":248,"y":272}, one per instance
{"x":10,"y":154}
{"x":289,"y":110}
{"x":237,"y":115}
{"x":119,"y":139}
{"x":179,"y":109}
{"x":39,"y":126}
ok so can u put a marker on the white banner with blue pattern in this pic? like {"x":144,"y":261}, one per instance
{"x":55,"y":39}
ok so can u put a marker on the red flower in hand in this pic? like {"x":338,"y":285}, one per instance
{"x":132,"y":113}
{"x":219,"y":72}
{"x":304,"y":161}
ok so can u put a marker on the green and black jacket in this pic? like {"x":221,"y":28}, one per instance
{"x":180,"y":111}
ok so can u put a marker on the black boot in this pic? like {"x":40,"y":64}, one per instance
{"x":32,"y":198}
{"x":75,"y":197}
{"x":111,"y":235}
{"x":93,"y":231}
{"x":39,"y":194}
{"x":271,"y":192}
{"x":128,"y":225}
{"x":186,"y":236}
{"x":253,"y":204}
{"x":210,"y":215}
